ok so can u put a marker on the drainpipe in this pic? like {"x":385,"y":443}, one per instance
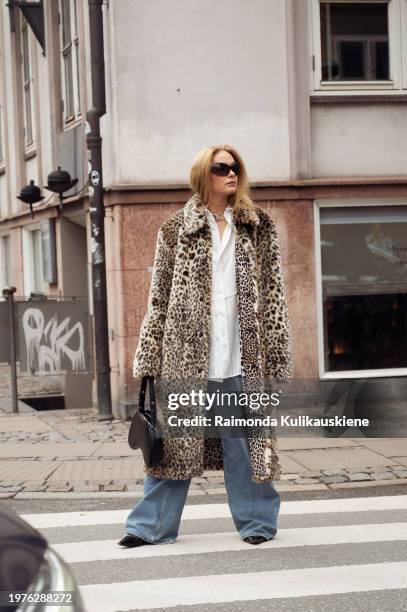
{"x":97,"y":211}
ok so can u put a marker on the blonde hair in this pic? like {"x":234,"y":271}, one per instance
{"x":200,"y":177}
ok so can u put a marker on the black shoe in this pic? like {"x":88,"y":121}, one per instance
{"x":130,"y":541}
{"x":255,"y":539}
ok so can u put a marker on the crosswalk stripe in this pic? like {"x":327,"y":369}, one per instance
{"x":103,"y":550}
{"x":213,"y":511}
{"x":195,"y":590}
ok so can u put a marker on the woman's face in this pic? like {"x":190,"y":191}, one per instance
{"x":224,"y":185}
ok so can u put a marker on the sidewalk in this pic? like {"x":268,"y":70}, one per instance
{"x":70,"y":452}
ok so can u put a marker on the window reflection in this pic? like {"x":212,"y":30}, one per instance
{"x":354,"y":41}
{"x":364,"y":286}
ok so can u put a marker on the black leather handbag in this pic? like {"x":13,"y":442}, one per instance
{"x":144,"y":432}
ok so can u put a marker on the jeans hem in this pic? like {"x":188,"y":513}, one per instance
{"x":253,"y":534}
{"x":143,"y":537}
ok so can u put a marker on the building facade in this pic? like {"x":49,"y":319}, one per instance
{"x":314,"y":96}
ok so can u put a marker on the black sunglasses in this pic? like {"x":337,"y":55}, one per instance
{"x":221,"y":169}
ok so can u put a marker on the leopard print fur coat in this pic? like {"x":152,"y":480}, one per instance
{"x":174,"y":339}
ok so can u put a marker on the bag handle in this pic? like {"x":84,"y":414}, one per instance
{"x":142,"y":397}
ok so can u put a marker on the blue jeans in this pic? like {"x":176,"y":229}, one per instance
{"x":254,"y":506}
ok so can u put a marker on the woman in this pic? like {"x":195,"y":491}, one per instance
{"x":217,"y":311}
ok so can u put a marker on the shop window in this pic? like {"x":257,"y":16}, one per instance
{"x":364,"y":287}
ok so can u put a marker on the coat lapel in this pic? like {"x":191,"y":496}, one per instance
{"x":195,"y":218}
{"x":248,"y":304}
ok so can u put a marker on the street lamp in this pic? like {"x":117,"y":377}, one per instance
{"x":30,"y":194}
{"x":60,"y":181}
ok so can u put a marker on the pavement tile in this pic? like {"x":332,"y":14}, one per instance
{"x":23,"y":423}
{"x":32,"y":483}
{"x":336,"y":472}
{"x":4,"y":484}
{"x":291,"y":443}
{"x":91,"y":488}
{"x":48,"y":449}
{"x":390,"y":447}
{"x":27,"y":470}
{"x":115,"y":449}
{"x":59,"y":488}
{"x":402,"y":460}
{"x":384,"y":476}
{"x":377,"y":468}
{"x":357,"y":476}
{"x":309,"y":474}
{"x":76,"y":495}
{"x":114,"y":487}
{"x":334,"y":457}
{"x":333,"y":479}
{"x":289,"y":465}
{"x":99,"y":470}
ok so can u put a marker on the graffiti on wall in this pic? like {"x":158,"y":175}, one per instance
{"x":53,"y":337}
{"x":47,"y":342}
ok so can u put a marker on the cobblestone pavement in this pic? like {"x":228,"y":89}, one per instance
{"x":70,"y":426}
{"x":64,"y":451}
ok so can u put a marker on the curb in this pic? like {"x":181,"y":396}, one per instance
{"x":197,"y":493}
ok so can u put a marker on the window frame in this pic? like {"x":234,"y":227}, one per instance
{"x":342,"y":203}
{"x":397,"y":53}
{"x":31,"y":266}
{"x":27,"y":85}
{"x":5,"y":260}
{"x":2,"y":158}
{"x":70,"y":49}
{"x":403,"y":42}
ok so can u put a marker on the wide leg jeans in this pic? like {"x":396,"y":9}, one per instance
{"x":254,"y":506}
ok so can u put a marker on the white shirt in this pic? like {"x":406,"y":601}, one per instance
{"x":224,"y":360}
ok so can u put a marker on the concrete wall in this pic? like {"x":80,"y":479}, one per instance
{"x":359,"y":140}
{"x":192,"y":74}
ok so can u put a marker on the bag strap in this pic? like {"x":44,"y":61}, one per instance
{"x":142,"y":398}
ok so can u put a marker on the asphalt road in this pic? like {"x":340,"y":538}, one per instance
{"x":333,"y":550}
